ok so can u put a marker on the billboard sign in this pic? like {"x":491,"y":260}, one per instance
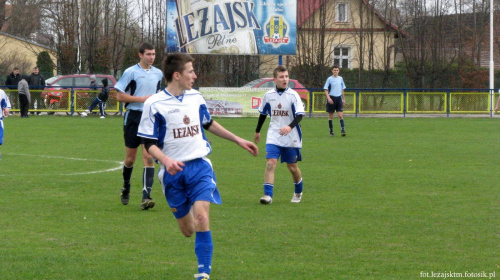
{"x":232,"y":27}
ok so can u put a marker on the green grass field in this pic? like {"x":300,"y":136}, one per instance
{"x":395,"y":199}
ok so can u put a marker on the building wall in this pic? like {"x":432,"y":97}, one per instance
{"x":23,"y":54}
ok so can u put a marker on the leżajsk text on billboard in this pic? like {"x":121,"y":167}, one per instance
{"x":232,"y":27}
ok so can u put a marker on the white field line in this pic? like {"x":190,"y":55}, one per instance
{"x":81,"y":159}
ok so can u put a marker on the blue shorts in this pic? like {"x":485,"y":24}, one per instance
{"x":195,"y":182}
{"x":288,"y":155}
{"x":1,"y":132}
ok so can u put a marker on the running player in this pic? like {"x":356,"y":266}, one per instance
{"x":173,"y":126}
{"x":334,"y":90}
{"x":136,"y":85}
{"x":284,"y":136}
{"x":4,"y":112}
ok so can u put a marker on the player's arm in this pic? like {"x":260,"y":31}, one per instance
{"x":127,"y":98}
{"x":220,"y":131}
{"x":287,"y":129}
{"x":172,"y":166}
{"x":262,"y":119}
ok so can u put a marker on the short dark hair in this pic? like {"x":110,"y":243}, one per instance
{"x":175,"y":62}
{"x":36,"y":67}
{"x":279,"y":69}
{"x":104,"y":82}
{"x":335,"y":66}
{"x":15,"y":68}
{"x":145,"y":46}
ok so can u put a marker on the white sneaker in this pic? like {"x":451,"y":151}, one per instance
{"x":103,"y":117}
{"x":202,"y":276}
{"x":87,"y":111}
{"x":266,"y":199}
{"x":296,"y":197}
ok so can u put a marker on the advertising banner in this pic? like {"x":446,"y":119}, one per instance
{"x":232,"y":26}
{"x":233,"y":102}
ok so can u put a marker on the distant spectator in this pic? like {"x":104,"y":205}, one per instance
{"x":36,"y":82}
{"x":24,"y":96}
{"x":93,"y":85}
{"x":100,"y":99}
{"x":12,"y":80}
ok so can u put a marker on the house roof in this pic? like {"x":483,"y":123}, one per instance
{"x":306,"y":8}
{"x":26,"y":41}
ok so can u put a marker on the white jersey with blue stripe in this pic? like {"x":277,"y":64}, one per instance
{"x":334,"y":85}
{"x":4,"y":103}
{"x":137,"y":81}
{"x":177,"y":124}
{"x":282,"y":107}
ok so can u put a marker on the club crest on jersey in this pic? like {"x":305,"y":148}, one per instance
{"x":276,"y":29}
{"x":279,"y":106}
{"x":186,"y":120}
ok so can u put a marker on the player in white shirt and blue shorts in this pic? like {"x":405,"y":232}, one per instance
{"x":137,"y":84}
{"x":284,"y":135}
{"x":334,"y":90}
{"x":4,"y":112}
{"x":173,"y":127}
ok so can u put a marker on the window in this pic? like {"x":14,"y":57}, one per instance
{"x":267,"y":84}
{"x":65,"y":82}
{"x":342,"y":12}
{"x":291,"y":84}
{"x":82,"y":81}
{"x":341,"y":57}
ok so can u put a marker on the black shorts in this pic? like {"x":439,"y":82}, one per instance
{"x":336,"y":106}
{"x":131,"y":122}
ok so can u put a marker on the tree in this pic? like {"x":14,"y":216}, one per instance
{"x":45,"y":64}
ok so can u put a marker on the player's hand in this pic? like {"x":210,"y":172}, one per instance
{"x":330,"y":101}
{"x":343,"y":102}
{"x":5,"y":112}
{"x":249,"y":146}
{"x":496,"y":109}
{"x":285,"y":130}
{"x":173,"y":166}
{"x":256,"y":138}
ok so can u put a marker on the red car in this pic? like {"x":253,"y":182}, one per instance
{"x":293,"y":84}
{"x":80,"y":82}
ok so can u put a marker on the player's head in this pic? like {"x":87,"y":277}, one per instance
{"x":335,"y":70}
{"x":15,"y":70}
{"x":36,"y":70}
{"x":281,"y":78}
{"x":104,"y":82}
{"x":178,"y":67}
{"x":147,"y":54}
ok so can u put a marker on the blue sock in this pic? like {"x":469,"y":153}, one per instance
{"x":203,"y":248}
{"x":342,"y":124}
{"x":268,"y":189}
{"x":298,"y":186}
{"x":330,"y":125}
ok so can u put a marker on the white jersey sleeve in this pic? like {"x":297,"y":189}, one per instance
{"x":4,"y":103}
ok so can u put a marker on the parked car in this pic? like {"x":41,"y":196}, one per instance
{"x":293,"y":84}
{"x":80,"y":83}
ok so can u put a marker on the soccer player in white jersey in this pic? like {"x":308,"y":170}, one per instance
{"x":173,"y":126}
{"x":334,"y":90}
{"x":4,"y":112}
{"x":137,"y":84}
{"x":284,"y":136}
